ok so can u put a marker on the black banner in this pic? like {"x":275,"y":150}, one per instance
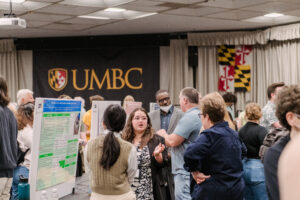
{"x":110,"y":72}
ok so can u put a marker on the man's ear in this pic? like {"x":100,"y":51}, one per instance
{"x":289,"y":116}
{"x":104,"y":126}
{"x":272,"y":94}
{"x":185,"y":100}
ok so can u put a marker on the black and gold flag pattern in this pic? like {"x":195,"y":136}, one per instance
{"x":226,"y":55}
{"x":53,"y":79}
{"x":242,"y":76}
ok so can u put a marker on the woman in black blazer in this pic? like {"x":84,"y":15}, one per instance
{"x":152,"y":156}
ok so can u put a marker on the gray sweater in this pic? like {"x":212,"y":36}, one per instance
{"x":8,"y":142}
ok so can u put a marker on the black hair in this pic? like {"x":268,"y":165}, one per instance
{"x":4,"y":98}
{"x":114,"y":119}
{"x":271,"y":88}
{"x":229,"y":97}
{"x":160,"y":91}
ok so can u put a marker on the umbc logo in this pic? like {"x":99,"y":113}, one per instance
{"x":58,"y":78}
{"x":113,"y":79}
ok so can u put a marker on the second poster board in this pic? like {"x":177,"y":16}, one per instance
{"x":98,"y":108}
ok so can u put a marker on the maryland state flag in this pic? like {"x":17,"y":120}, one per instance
{"x":235,"y":65}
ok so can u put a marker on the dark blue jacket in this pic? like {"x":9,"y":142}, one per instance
{"x":8,"y":142}
{"x":217,"y":152}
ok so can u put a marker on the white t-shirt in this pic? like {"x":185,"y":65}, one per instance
{"x":25,"y":142}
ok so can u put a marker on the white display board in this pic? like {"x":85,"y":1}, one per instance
{"x":153,"y":106}
{"x":54,"y":147}
{"x":129,"y":106}
{"x":98,"y":108}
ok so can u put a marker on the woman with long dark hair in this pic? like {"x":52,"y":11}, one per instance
{"x":112,"y":160}
{"x":151,"y":155}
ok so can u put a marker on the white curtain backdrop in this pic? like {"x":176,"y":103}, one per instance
{"x":9,"y":67}
{"x":262,"y":37}
{"x":164,"y":67}
{"x":15,"y":67}
{"x":275,"y":62}
{"x":25,"y":63}
{"x":233,"y":38}
{"x":207,"y":71}
{"x":282,"y":33}
{"x":180,"y":74}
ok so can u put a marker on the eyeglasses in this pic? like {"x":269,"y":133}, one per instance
{"x":164,"y":99}
{"x":200,"y":115}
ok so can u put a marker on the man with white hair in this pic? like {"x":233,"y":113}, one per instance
{"x":24,"y":96}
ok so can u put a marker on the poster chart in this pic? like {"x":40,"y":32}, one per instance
{"x":55,"y":147}
{"x":153,"y":107}
{"x":98,"y":108}
{"x":129,"y":106}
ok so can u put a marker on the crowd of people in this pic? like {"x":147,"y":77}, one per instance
{"x":200,"y":151}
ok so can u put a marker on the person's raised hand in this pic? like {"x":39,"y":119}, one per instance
{"x":158,"y":149}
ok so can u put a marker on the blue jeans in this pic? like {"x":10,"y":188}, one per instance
{"x":254,"y":179}
{"x":182,"y":187}
{"x":19,"y":170}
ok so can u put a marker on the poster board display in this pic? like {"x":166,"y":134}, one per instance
{"x":54,"y":147}
{"x":153,"y":107}
{"x":129,"y":106}
{"x":98,"y":108}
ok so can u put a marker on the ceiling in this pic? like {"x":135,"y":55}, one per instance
{"x":51,"y":18}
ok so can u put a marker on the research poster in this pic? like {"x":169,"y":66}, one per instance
{"x":130,"y":106}
{"x":58,"y":130}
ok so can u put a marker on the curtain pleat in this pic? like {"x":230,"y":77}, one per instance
{"x":7,"y":46}
{"x":261,"y":37}
{"x":25,"y":69}
{"x":164,"y":67}
{"x":283,"y":33}
{"x":180,"y":75}
{"x":230,"y":38}
{"x":12,"y":70}
{"x":9,"y":70}
{"x":207,"y":71}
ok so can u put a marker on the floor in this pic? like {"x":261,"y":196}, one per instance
{"x":81,"y":189}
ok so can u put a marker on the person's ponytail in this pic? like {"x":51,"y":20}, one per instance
{"x":111,"y":151}
{"x":114,"y":119}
